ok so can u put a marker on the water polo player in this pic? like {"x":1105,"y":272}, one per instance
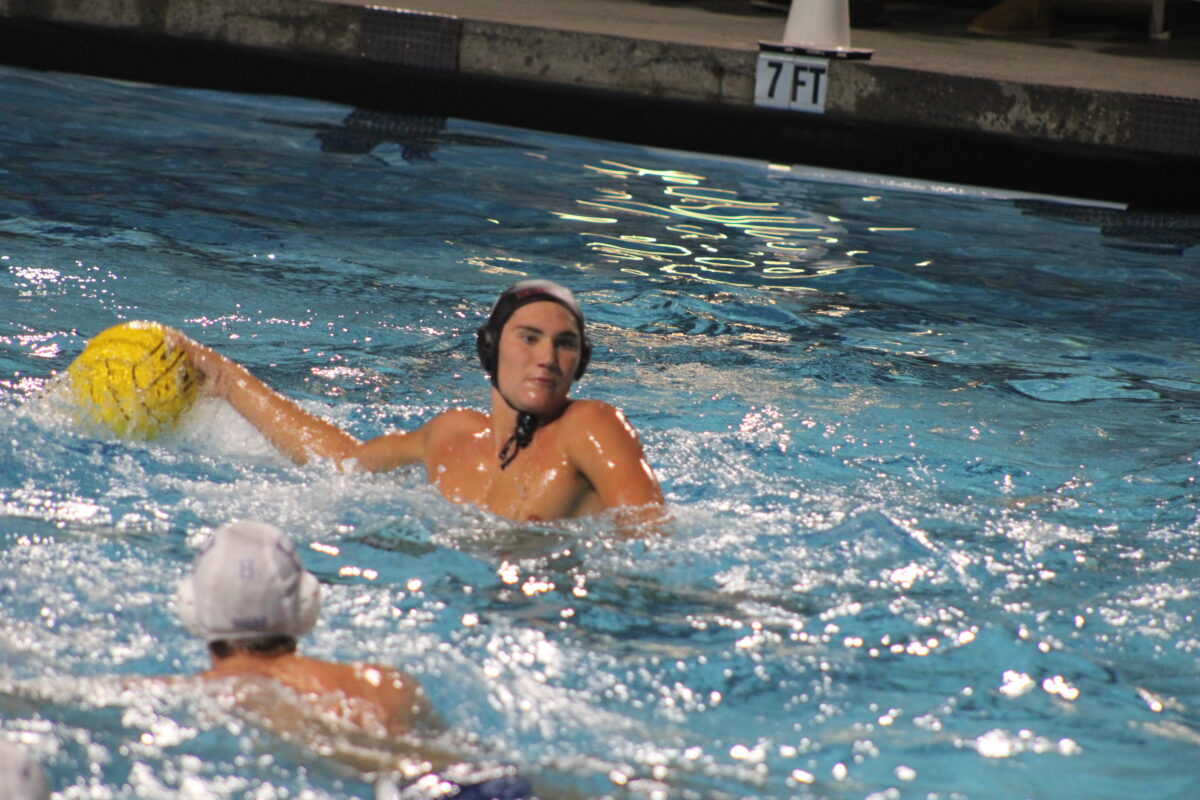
{"x":250,"y":599}
{"x":537,"y":455}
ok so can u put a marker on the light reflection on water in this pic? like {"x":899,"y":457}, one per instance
{"x":935,"y":525}
{"x":709,"y":233}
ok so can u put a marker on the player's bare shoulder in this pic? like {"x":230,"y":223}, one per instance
{"x":581,"y":411}
{"x":459,"y":420}
{"x":596,"y":420}
{"x":454,"y":425}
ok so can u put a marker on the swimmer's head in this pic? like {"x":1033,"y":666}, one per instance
{"x":487,"y":340}
{"x":21,"y":777}
{"x":247,"y":583}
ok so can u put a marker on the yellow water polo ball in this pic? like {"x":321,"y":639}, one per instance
{"x":130,"y":379}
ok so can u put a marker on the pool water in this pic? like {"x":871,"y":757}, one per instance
{"x":931,"y":454}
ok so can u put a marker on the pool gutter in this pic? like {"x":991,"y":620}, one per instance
{"x":1107,"y":143}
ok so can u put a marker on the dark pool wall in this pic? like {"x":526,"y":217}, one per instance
{"x":1136,"y":149}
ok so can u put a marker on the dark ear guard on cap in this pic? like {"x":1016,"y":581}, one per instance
{"x":485,"y":346}
{"x":585,"y":355}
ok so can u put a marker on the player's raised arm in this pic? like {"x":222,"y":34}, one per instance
{"x":296,"y":433}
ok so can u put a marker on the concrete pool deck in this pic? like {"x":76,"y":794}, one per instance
{"x":1098,"y":110}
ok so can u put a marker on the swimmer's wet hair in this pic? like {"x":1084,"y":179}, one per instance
{"x":266,"y":646}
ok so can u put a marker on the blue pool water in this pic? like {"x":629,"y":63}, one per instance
{"x":931,"y":453}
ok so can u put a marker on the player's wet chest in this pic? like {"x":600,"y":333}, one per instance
{"x":538,"y":483}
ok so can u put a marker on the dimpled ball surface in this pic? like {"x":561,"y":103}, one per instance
{"x":131,"y":380}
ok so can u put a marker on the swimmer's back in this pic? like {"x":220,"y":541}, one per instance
{"x":370,"y":697}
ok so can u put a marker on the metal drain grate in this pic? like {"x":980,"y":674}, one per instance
{"x":410,"y":38}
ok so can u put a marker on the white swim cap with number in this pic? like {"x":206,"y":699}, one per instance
{"x":21,"y":777}
{"x":247,"y":582}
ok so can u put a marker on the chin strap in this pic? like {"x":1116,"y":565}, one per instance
{"x":526,"y":425}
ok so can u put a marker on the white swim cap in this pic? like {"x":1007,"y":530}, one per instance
{"x":247,"y":582}
{"x":21,"y":777}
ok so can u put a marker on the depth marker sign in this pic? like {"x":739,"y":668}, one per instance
{"x":795,"y":82}
{"x":794,"y":74}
